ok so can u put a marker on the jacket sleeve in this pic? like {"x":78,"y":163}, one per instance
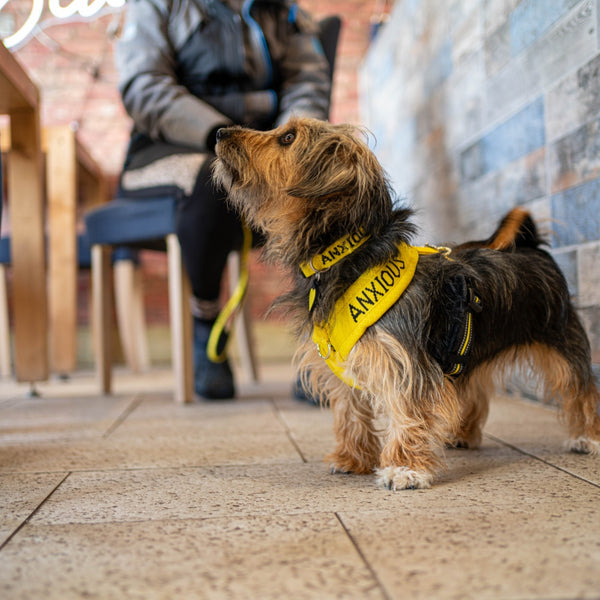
{"x":306,"y":83}
{"x":145,"y":57}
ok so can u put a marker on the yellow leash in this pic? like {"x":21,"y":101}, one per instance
{"x":219,"y":335}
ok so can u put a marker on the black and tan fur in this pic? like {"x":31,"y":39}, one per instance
{"x":308,"y":184}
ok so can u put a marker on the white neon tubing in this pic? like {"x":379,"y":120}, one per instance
{"x":27,"y":27}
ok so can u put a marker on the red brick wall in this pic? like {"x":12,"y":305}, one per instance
{"x":353,"y":43}
{"x":73,"y":66}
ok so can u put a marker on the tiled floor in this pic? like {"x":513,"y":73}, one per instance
{"x":135,"y":497}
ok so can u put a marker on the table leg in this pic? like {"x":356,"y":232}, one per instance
{"x":61,"y":178}
{"x":25,"y":192}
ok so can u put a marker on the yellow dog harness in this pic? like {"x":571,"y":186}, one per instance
{"x":366,"y":300}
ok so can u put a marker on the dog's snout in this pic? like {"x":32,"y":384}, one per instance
{"x":223,"y":133}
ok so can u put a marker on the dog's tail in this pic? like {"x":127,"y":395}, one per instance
{"x":516,"y":230}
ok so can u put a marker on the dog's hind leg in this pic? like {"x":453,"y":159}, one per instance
{"x":474,"y":392}
{"x":581,"y":398}
{"x":583,"y":421}
{"x":581,"y":407}
{"x":568,"y":374}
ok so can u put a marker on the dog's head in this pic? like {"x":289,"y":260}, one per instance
{"x":303,"y":183}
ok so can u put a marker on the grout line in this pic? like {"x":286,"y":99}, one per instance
{"x":37,"y":508}
{"x":363,"y":557}
{"x":294,"y":443}
{"x":137,"y":400}
{"x":288,"y":432}
{"x":542,"y":460}
{"x":125,"y":469}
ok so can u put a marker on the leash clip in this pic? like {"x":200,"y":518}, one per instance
{"x":443,"y":250}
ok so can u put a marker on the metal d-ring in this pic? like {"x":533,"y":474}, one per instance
{"x":328,"y":351}
{"x":317,"y":271}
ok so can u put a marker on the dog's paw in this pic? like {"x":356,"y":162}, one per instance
{"x":403,"y":478}
{"x":335,"y":470}
{"x":459,"y":445}
{"x":583,"y":445}
{"x":344,"y":464}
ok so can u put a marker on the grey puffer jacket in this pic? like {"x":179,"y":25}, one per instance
{"x":187,"y":67}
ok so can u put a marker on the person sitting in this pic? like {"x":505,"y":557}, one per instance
{"x":187,"y":68}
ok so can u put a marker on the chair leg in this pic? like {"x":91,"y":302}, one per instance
{"x":5,"y":370}
{"x":140,"y":337}
{"x":181,"y":323}
{"x":243,"y":331}
{"x":130,"y":314}
{"x":101,"y":315}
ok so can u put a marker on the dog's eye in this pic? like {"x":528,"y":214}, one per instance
{"x":287,"y":138}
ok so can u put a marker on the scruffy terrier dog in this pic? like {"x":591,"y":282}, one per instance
{"x":417,"y":336}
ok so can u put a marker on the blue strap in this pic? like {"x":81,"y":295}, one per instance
{"x":292,"y":14}
{"x":259,"y":38}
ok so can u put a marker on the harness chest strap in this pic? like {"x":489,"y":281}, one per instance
{"x":364,"y":303}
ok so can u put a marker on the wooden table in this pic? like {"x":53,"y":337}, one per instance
{"x":74,"y":183}
{"x":19,"y":98}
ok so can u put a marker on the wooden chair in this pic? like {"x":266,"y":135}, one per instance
{"x":146,"y":223}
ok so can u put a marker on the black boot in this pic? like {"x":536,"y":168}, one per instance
{"x":299,"y":392}
{"x":213,"y":381}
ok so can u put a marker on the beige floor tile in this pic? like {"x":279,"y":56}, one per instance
{"x":202,"y":449}
{"x":531,"y":427}
{"x":84,"y":384}
{"x":311,"y":427}
{"x":251,"y":448}
{"x":536,"y":429}
{"x":494,"y":476}
{"x":232,"y":500}
{"x":20,"y":495}
{"x":209,"y":493}
{"x":485,"y":552}
{"x":57,"y":418}
{"x":159,"y":416}
{"x":273,"y":557}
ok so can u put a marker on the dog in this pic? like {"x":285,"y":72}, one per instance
{"x":423,"y":360}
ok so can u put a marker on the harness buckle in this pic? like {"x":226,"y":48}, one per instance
{"x":443,"y":250}
{"x":328,"y":351}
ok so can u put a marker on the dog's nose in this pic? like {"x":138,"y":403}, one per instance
{"x":223,"y":133}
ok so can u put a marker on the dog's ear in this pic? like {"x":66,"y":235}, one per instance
{"x":336,"y":165}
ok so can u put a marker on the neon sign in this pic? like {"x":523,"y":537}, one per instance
{"x":83,"y":8}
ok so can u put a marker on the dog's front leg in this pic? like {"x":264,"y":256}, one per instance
{"x":418,"y":431}
{"x":407,"y":460}
{"x":357,"y":444}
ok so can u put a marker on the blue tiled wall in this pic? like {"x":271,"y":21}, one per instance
{"x":576,"y":212}
{"x":531,"y":19}
{"x":518,"y":136}
{"x":481,"y":105}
